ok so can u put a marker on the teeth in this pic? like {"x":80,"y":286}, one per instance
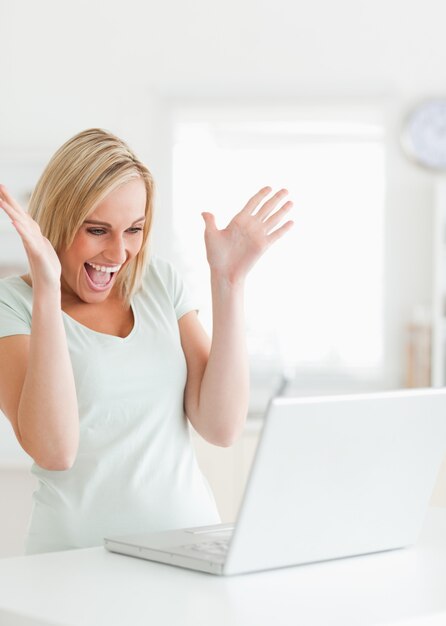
{"x":102,"y":268}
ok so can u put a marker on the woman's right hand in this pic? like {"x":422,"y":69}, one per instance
{"x":44,"y":263}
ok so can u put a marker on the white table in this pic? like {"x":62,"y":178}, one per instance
{"x":92,"y":587}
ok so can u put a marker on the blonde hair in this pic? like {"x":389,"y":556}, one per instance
{"x":78,"y":177}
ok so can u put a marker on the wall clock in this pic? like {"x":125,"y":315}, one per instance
{"x":424,"y":134}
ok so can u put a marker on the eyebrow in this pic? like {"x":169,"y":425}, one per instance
{"x":99,"y":223}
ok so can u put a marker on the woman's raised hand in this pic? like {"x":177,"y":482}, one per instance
{"x":44,"y":263}
{"x":233,"y":250}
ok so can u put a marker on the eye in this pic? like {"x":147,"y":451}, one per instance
{"x":134,"y":229}
{"x":95,"y":231}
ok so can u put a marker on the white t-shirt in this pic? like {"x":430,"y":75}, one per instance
{"x":135,"y":470}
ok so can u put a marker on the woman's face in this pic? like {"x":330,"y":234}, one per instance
{"x":108,"y":239}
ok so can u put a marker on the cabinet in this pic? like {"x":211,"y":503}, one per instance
{"x":227,"y":469}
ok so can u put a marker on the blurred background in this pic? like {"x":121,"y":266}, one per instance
{"x":220,"y":99}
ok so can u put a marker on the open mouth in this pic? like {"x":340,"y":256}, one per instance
{"x":100,"y":277}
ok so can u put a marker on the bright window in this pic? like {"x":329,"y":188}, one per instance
{"x":315,"y":300}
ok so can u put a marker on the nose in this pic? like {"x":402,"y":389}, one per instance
{"x":116,"y":250}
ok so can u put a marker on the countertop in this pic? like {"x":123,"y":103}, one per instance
{"x":91,"y":587}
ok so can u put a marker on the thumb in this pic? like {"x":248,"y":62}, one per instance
{"x":209,"y":220}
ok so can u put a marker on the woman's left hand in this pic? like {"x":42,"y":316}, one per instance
{"x":232,"y":251}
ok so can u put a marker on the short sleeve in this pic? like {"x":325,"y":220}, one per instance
{"x":182,"y":298}
{"x":15,"y":318}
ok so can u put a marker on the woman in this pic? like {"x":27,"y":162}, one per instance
{"x":102,"y":355}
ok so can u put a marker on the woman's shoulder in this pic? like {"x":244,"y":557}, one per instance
{"x":160,"y":269}
{"x":15,"y":306}
{"x":14,"y":288}
{"x":163,"y":280}
{"x":159,"y":263}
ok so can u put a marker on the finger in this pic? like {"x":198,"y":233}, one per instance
{"x":8,"y":202}
{"x":20,"y":228}
{"x":30,"y":243}
{"x":209,"y":220}
{"x":11,"y":211}
{"x":278,"y":216}
{"x":279,"y":232}
{"x":23,"y":234}
{"x":20,"y":220}
{"x":254,"y":202}
{"x":4,"y":193}
{"x":271,"y":204}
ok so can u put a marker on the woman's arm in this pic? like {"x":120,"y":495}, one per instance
{"x":37,"y":390}
{"x":217,"y":388}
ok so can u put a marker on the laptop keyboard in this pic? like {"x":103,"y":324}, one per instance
{"x":218,"y":547}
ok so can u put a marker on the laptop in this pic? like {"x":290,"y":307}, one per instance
{"x":332,"y":477}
